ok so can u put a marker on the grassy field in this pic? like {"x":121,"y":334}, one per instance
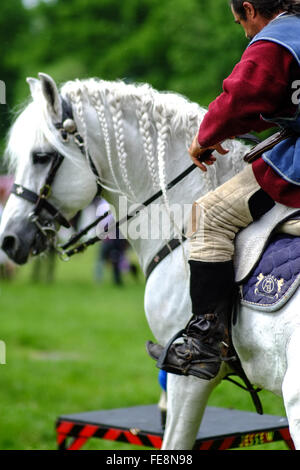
{"x":78,"y":345}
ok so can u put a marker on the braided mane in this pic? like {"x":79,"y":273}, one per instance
{"x":164,"y":113}
{"x":160,"y":119}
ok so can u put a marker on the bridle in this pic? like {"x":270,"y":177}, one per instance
{"x":40,"y":200}
{"x":46,"y":226}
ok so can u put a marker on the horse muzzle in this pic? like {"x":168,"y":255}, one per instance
{"x":21,"y":239}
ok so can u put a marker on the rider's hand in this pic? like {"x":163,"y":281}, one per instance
{"x":196,"y":151}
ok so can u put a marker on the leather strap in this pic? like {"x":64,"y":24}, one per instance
{"x":268,"y":144}
{"x":45,"y":191}
{"x":162,"y":254}
{"x":30,"y":196}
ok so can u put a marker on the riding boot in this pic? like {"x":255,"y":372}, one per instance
{"x":206,"y":336}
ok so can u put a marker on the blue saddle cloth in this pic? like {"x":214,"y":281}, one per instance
{"x":276,"y":277}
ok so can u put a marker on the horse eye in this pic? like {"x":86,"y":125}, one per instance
{"x":41,"y":157}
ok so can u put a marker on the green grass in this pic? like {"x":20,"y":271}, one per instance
{"x":78,"y":345}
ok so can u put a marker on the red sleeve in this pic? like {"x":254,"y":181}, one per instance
{"x":259,"y":84}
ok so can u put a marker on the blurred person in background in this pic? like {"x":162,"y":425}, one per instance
{"x":113,"y":249}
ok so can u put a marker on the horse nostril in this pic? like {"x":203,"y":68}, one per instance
{"x":10,"y":244}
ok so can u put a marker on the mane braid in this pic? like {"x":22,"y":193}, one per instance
{"x":144,"y":123}
{"x":237,"y":161}
{"x":76,"y":96}
{"x":100,"y":110}
{"x":162,"y":136}
{"x":163,"y":127}
{"x":193,"y":124}
{"x":117,"y":119}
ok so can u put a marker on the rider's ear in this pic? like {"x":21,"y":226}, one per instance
{"x":51,"y":95}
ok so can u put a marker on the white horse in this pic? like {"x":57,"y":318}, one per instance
{"x":138,"y":140}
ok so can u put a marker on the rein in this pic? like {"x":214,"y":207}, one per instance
{"x":76,"y":237}
{"x":68,"y":249}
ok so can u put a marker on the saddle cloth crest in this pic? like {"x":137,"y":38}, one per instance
{"x":267,"y":262}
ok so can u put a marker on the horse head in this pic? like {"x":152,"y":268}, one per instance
{"x":53,"y":179}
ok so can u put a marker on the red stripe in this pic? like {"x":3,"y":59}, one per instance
{"x":78,"y":443}
{"x":285,"y":433}
{"x":156,"y":441}
{"x":132,"y":438}
{"x":64,"y":427}
{"x":60,"y":438}
{"x":112,"y":434}
{"x":88,"y":430}
{"x":206,"y":445}
{"x":63,"y":430}
{"x":226,"y":444}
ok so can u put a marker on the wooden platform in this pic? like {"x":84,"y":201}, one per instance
{"x":221,"y":428}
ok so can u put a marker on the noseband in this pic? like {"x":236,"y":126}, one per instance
{"x":40,"y":200}
{"x":66,"y":128}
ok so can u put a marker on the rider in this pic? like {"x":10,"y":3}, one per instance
{"x":260,"y":93}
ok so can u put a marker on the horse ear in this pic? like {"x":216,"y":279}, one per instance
{"x":51,"y":95}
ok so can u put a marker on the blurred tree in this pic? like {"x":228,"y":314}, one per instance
{"x":188,"y":46}
{"x":14,"y":22}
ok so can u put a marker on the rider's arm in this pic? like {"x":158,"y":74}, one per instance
{"x":259,"y":84}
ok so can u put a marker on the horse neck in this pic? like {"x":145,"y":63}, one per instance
{"x":140,"y":149}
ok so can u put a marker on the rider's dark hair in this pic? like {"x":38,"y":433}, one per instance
{"x":267,"y":8}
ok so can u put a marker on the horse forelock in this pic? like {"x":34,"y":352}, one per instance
{"x":31,"y":129}
{"x":24,"y":135}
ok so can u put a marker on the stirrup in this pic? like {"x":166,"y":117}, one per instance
{"x":191,"y":367}
{"x":161,"y":363}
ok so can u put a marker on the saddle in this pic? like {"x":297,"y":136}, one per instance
{"x":267,"y":271}
{"x":267,"y":259}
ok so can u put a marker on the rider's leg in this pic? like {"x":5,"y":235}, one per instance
{"x":215,"y":221}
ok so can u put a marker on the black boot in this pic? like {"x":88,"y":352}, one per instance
{"x":206,"y":336}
